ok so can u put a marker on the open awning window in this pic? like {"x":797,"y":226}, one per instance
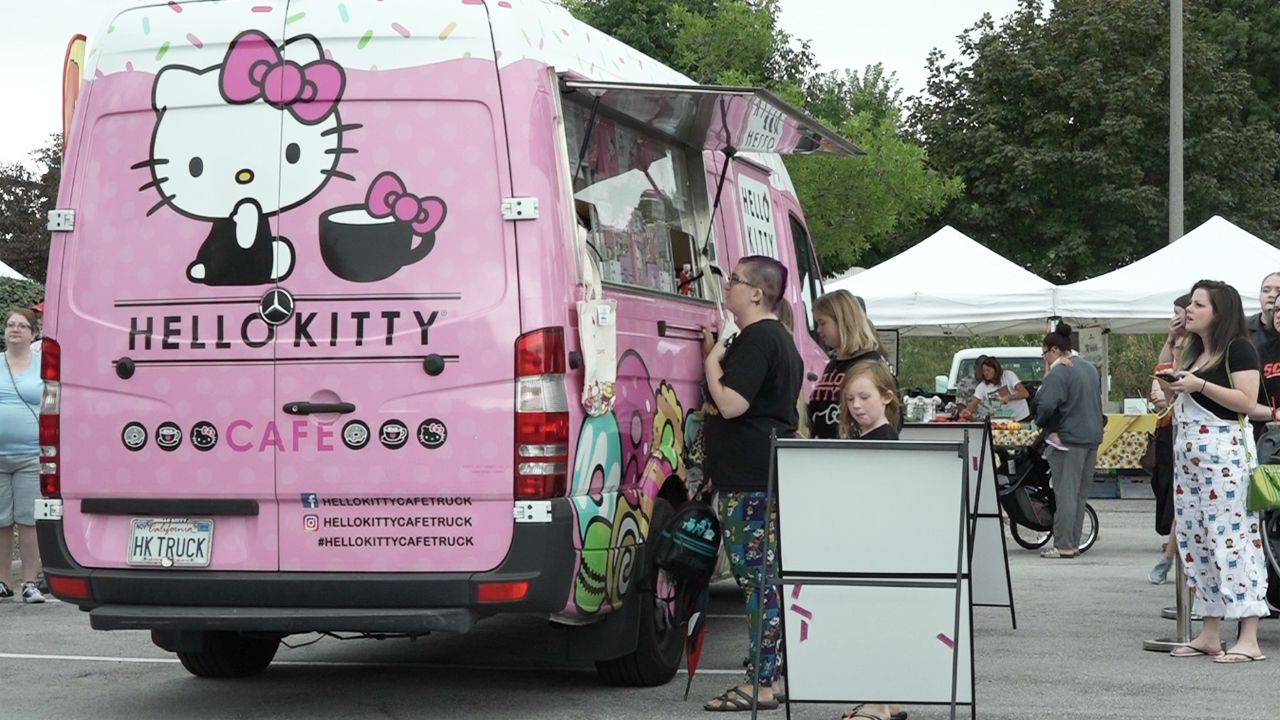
{"x":713,"y":117}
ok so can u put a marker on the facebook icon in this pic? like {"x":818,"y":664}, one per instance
{"x":310,"y":500}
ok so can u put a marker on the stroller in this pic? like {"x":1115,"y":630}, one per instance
{"x":1022,"y":484}
{"x":1269,"y":452}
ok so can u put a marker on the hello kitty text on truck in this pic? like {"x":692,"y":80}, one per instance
{"x":229,"y":172}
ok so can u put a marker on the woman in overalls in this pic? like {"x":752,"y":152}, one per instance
{"x":1218,"y":537}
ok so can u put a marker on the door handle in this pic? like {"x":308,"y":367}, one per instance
{"x":678,"y":332}
{"x":310,"y":408}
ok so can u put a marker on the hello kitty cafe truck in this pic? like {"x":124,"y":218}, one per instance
{"x":314,"y":360}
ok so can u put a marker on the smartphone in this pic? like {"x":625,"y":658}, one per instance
{"x":1166,"y":375}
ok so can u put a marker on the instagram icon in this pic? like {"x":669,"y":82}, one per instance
{"x":311,"y":523}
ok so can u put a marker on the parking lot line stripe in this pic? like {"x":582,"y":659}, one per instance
{"x":334,"y":663}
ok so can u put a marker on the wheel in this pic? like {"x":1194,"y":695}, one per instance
{"x":1270,"y":524}
{"x":1028,"y":538}
{"x":230,"y":655}
{"x":1089,"y":531}
{"x":660,"y":644}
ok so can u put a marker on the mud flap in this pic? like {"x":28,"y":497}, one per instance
{"x":618,"y":634}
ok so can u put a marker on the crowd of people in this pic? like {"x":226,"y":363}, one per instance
{"x":1217,"y":369}
{"x":1217,"y":373}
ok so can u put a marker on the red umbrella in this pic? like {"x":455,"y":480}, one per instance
{"x":699,"y":595}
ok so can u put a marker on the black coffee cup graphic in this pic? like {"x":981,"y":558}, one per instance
{"x":371,"y":242}
{"x":360,"y":248}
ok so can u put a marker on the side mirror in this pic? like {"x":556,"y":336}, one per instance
{"x":940,"y":384}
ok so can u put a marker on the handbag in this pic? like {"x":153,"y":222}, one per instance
{"x":1264,"y":488}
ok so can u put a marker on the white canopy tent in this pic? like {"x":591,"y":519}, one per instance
{"x":949,"y":284}
{"x":1138,"y":298}
{"x":8,"y":272}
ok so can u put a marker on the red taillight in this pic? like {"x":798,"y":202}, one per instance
{"x":542,"y":428}
{"x":542,"y":416}
{"x":69,"y":588}
{"x":50,"y":408}
{"x":540,"y":353}
{"x":51,"y":360}
{"x":501,"y":592}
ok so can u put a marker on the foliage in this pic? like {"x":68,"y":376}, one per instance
{"x":735,"y":41}
{"x":26,"y":196}
{"x":1247,"y":34}
{"x":1058,"y":126}
{"x":857,"y":209}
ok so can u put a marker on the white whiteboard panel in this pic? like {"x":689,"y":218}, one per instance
{"x":857,"y":507}
{"x":863,"y":644}
{"x":990,"y":564}
{"x":985,"y":503}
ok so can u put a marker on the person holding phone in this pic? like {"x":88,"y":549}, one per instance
{"x":1218,"y":536}
{"x":999,"y":387}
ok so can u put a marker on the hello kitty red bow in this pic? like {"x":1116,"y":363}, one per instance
{"x":255,"y":69}
{"x":387,"y":198}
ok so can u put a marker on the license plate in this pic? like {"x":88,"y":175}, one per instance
{"x":170,"y":542}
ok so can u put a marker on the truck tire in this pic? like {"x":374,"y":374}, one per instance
{"x":230,"y":655}
{"x":660,"y":643}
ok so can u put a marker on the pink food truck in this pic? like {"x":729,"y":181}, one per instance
{"x":382,"y":317}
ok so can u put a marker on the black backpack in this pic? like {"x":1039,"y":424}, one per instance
{"x":689,"y":544}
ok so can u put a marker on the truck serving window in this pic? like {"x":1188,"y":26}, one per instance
{"x":809,"y":283}
{"x":642,"y":202}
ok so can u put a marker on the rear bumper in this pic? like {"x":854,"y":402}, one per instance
{"x":541,"y":553}
{"x":283,"y":620}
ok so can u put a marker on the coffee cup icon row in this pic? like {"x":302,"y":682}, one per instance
{"x":204,"y":436}
{"x":394,"y":434}
{"x":371,"y":242}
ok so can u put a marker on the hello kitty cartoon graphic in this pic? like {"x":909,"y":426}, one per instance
{"x":239,"y":142}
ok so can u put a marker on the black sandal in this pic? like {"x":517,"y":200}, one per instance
{"x":735,"y":700}
{"x":857,"y":713}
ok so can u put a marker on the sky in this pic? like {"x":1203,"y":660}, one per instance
{"x":844,"y":33}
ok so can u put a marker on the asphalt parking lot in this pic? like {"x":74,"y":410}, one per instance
{"x":1077,"y":653}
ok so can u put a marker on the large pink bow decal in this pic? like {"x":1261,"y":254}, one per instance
{"x":255,"y":69}
{"x":387,"y":198}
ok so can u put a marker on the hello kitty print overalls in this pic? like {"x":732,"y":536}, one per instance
{"x":1218,"y":538}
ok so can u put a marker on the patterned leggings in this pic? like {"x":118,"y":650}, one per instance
{"x":742,"y":520}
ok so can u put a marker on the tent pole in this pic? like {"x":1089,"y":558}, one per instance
{"x":1175,"y":120}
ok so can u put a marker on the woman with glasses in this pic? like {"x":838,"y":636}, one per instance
{"x":753,"y":379}
{"x":850,"y":338}
{"x":1218,"y":537}
{"x":20,"y":392}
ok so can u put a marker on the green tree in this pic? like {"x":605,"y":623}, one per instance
{"x":861,"y":210}
{"x":1057,"y":123}
{"x":26,"y":196}
{"x":1247,"y":34}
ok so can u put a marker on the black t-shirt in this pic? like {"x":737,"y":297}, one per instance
{"x":1240,"y":356}
{"x":884,"y":432}
{"x":763,"y":366}
{"x":824,"y":401}
{"x":1269,"y":388}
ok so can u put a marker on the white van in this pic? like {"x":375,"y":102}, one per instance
{"x":1025,"y":362}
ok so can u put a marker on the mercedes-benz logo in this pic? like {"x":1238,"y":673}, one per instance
{"x":276,"y":307}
